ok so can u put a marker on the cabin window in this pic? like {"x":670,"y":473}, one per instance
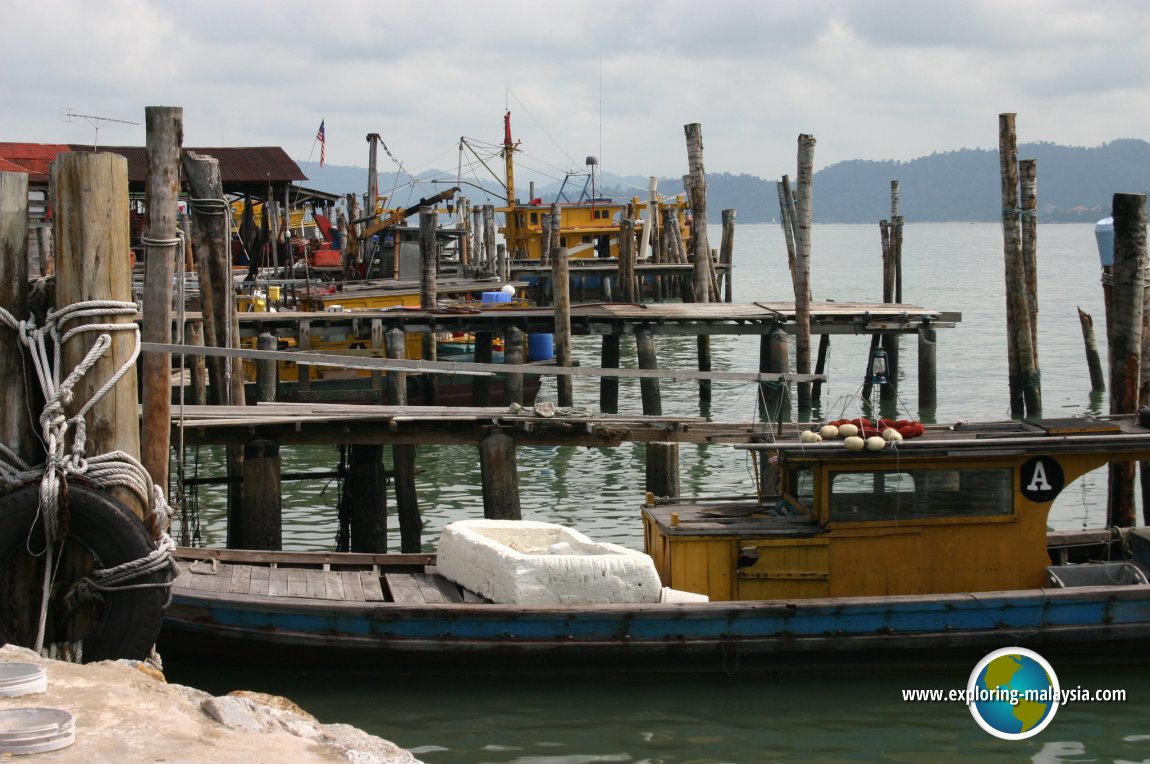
{"x":586,"y":239}
{"x":920,"y":494}
{"x":534,"y":218}
{"x":562,"y":241}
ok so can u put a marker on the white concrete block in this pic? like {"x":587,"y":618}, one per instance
{"x":523,"y":562}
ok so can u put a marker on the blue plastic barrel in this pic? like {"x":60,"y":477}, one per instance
{"x":540,"y":347}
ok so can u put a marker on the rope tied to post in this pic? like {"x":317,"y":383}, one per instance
{"x":115,"y":468}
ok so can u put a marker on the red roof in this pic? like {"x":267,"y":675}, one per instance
{"x":33,"y":158}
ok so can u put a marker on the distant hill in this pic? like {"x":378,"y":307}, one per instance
{"x":1075,"y":184}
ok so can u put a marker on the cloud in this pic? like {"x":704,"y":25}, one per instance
{"x":876,"y":80}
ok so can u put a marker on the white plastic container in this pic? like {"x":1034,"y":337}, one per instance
{"x":523,"y":562}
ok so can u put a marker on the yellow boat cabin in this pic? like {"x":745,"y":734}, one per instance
{"x":958,"y":509}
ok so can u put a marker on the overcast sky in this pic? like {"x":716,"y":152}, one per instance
{"x":880,"y":79}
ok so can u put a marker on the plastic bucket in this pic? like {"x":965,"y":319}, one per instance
{"x":35,"y":730}
{"x":540,"y":347}
{"x":491,"y":297}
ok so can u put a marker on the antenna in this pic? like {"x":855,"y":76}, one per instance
{"x":94,"y":121}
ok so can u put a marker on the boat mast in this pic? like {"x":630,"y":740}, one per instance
{"x":509,"y":164}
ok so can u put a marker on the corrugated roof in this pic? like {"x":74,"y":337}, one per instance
{"x":246,"y":169}
{"x":238,"y":166}
{"x":33,"y":158}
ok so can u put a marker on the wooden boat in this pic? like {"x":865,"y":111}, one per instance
{"x":589,"y":224}
{"x":920,"y":552}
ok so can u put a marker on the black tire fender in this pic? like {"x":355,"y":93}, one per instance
{"x":113,"y":535}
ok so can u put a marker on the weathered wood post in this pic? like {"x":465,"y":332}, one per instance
{"x":211,"y":242}
{"x":165,"y":135}
{"x":395,"y":339}
{"x":1093,"y":362}
{"x":365,"y":490}
{"x":1025,"y":389}
{"x":17,"y":398}
{"x":500,"y":476}
{"x":627,"y":286}
{"x":90,"y":193}
{"x":406,"y":498}
{"x":514,"y":354}
{"x":927,"y":372}
{"x":260,"y":525}
{"x":489,"y":257}
{"x":804,"y":198}
{"x":197,"y":367}
{"x":1028,"y":189}
{"x":428,"y":296}
{"x":561,"y":297}
{"x":1129,"y":272}
{"x":774,"y":397}
{"x":662,"y":464}
{"x":212,"y":246}
{"x":892,"y":260}
{"x":727,"y":254}
{"x":480,"y":385}
{"x":609,"y":386}
{"x":267,"y":371}
{"x":700,"y":246}
{"x":545,"y":238}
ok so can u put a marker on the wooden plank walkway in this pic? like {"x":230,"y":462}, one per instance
{"x":407,"y":587}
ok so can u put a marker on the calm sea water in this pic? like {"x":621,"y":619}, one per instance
{"x":573,"y":719}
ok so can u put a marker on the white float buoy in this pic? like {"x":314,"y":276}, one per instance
{"x":809,"y":436}
{"x":848,"y":430}
{"x":854,"y":443}
{"x":829,"y":432}
{"x":891,"y":434}
{"x":875,"y":443}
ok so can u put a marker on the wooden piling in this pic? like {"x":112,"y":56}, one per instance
{"x":561,"y":297}
{"x":90,"y":197}
{"x":365,"y":490}
{"x":406,"y":498}
{"x":1025,"y":390}
{"x":165,"y":135}
{"x":727,"y":254}
{"x":197,"y":367}
{"x":489,"y":238}
{"x":927,"y":372}
{"x":1093,"y":362}
{"x":628,"y":287}
{"x":774,"y":397}
{"x":514,"y":354}
{"x":480,"y":385}
{"x":395,"y":340}
{"x":1028,"y":189}
{"x":556,"y":232}
{"x":500,"y":476}
{"x":609,"y":386}
{"x":20,"y":398}
{"x":1129,"y":272}
{"x":267,"y":371}
{"x":820,"y":368}
{"x":804,"y":198}
{"x":648,"y":359}
{"x":212,"y":244}
{"x":260,"y":525}
{"x":428,"y":297}
{"x":700,"y":247}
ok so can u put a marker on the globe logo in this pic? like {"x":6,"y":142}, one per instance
{"x":1013,"y":693}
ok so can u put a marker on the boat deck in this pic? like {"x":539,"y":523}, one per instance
{"x":411,"y":585}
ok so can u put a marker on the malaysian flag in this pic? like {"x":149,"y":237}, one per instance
{"x":319,"y":136}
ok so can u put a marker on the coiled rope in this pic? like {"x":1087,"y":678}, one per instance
{"x":115,"y":468}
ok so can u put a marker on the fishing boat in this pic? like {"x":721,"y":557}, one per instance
{"x":920,"y":550}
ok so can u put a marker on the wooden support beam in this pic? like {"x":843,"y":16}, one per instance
{"x":365,"y":491}
{"x":500,"y":475}
{"x":261,"y":522}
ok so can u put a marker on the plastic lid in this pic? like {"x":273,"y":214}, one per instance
{"x":22,"y":679}
{"x":35,"y":730}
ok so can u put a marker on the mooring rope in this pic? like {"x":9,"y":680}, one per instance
{"x":115,"y":468}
